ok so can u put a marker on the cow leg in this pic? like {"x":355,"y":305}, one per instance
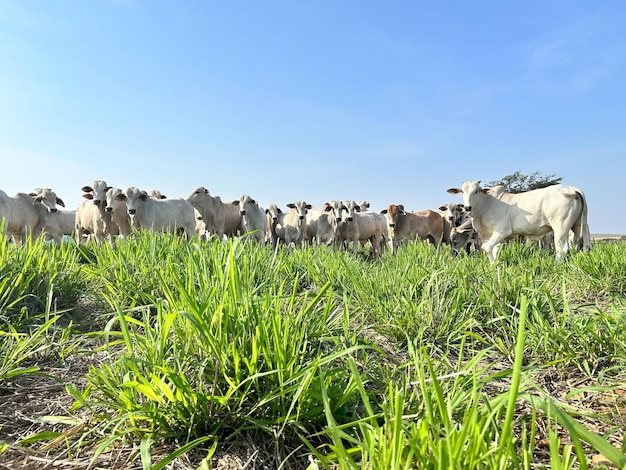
{"x":561,"y":244}
{"x":491,"y":246}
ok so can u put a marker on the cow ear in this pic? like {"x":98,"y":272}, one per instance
{"x":309,"y":206}
{"x":143,"y":196}
{"x":120,"y":197}
{"x":235,"y":203}
{"x":88,"y":196}
{"x":454,"y":191}
{"x":460,"y":206}
{"x":327,"y":207}
{"x":357,"y":208}
{"x":291,"y":205}
{"x":87,"y":189}
{"x":443,"y":208}
{"x":32,"y":194}
{"x":384,"y":211}
{"x":401,"y":207}
{"x":60,"y":202}
{"x":279,"y":211}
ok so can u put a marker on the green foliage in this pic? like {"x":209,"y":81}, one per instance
{"x":519,"y":183}
{"x":410,"y":361}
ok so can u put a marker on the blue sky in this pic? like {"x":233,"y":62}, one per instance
{"x":391,"y":102}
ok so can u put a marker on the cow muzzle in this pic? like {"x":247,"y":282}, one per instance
{"x":97,"y":202}
{"x":108,"y":209}
{"x":53,"y":210}
{"x":132,"y":211}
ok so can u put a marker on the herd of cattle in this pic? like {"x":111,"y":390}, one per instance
{"x":486,"y":219}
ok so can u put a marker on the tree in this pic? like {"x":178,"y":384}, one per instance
{"x":519,"y":183}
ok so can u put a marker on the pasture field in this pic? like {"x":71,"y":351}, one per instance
{"x":183,"y":355}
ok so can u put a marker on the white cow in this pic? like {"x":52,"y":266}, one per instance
{"x":359,"y":227}
{"x":253,"y":219}
{"x":174,"y":215}
{"x":118,"y":211}
{"x":156,"y":194}
{"x":296,"y":223}
{"x":24,"y":214}
{"x":322,"y":223}
{"x":91,"y":217}
{"x":288,"y":228}
{"x":220,"y":218}
{"x":58,"y":224}
{"x":559,"y":208}
{"x":275,"y":225}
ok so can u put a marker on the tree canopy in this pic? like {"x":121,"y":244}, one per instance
{"x":519,"y":183}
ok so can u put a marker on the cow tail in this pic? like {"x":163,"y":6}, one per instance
{"x":584,"y":235}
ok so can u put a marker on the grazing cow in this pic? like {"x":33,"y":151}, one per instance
{"x":463,"y":237}
{"x":58,"y":224}
{"x":174,"y":215}
{"x":405,"y":226}
{"x":91,"y":217}
{"x":116,"y":208}
{"x":253,"y":219}
{"x":24,"y":214}
{"x":220,"y":218}
{"x":559,"y":208}
{"x":359,"y":227}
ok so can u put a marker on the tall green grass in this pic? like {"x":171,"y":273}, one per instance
{"x":419,"y":360}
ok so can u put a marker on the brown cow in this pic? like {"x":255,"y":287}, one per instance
{"x":404,"y":226}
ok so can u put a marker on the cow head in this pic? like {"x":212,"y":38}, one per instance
{"x":301,"y":209}
{"x":336,"y":209}
{"x":245,"y":203}
{"x":453,"y":213}
{"x":134,"y":197}
{"x":47,"y":198}
{"x":392,"y":212}
{"x":272,"y":212}
{"x":113,"y":194}
{"x":471,"y":191}
{"x":351,"y":209}
{"x":96,"y":192}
